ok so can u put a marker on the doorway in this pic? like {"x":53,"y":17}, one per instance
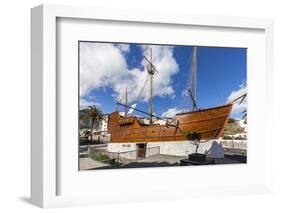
{"x":141,"y":150}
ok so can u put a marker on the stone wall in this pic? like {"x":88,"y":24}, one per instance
{"x":177,"y":148}
{"x":183,"y":148}
{"x":121,"y":147}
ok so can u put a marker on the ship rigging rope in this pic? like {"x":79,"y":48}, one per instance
{"x":142,"y":89}
{"x":140,"y":92}
{"x":146,"y":80}
{"x":122,"y":97}
{"x":187,"y":99}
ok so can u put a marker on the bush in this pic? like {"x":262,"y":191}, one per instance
{"x":239,"y":138}
{"x":231,"y":120}
{"x":227,"y":137}
{"x":193,"y":136}
{"x":83,"y":142}
{"x":100,"y":157}
{"x":232,"y":130}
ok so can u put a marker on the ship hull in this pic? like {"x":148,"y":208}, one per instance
{"x":209,"y":122}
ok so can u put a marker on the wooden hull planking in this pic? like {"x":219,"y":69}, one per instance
{"x":209,"y":122}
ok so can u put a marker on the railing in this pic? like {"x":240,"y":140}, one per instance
{"x":131,"y":156}
{"x":121,"y":158}
{"x":234,"y":144}
{"x":152,"y":151}
{"x":93,"y":152}
{"x":127,"y":157}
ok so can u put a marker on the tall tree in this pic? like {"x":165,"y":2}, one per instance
{"x":245,"y":116}
{"x":93,"y":114}
{"x":82,"y":118}
{"x":195,"y":138}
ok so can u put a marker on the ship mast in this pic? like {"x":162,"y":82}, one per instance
{"x":194,"y":76}
{"x":192,"y":84}
{"x":151,"y":71}
{"x":151,"y":87}
{"x":126,"y":100}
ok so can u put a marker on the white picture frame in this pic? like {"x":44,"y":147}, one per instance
{"x":44,"y":149}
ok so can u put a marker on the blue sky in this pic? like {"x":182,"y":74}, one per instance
{"x":221,"y":74}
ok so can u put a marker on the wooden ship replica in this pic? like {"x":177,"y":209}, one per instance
{"x":210,"y":122}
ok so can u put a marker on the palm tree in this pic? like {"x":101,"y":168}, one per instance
{"x":245,"y":115}
{"x":82,"y":118}
{"x":93,"y":114}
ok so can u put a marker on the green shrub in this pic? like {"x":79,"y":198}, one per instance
{"x":100,"y":157}
{"x":231,"y":120}
{"x":193,"y":136}
{"x":227,"y":137}
{"x":239,"y":138}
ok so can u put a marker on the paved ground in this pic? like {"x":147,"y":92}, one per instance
{"x":87,"y":163}
{"x":156,"y":161}
{"x":231,"y":151}
{"x":170,"y":160}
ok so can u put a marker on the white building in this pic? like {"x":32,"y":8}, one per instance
{"x":244,"y":125}
{"x":103,"y":124}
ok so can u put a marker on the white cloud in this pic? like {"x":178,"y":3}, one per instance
{"x":85,"y":103}
{"x":171,"y":112}
{"x":165,"y":63}
{"x":238,"y":108}
{"x":104,"y":65}
{"x":101,"y":65}
{"x":124,"y":47}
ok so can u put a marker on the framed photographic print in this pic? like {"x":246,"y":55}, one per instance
{"x":143,"y":104}
{"x":143,"y":109}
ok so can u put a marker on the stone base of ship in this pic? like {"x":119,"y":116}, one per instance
{"x":211,"y":148}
